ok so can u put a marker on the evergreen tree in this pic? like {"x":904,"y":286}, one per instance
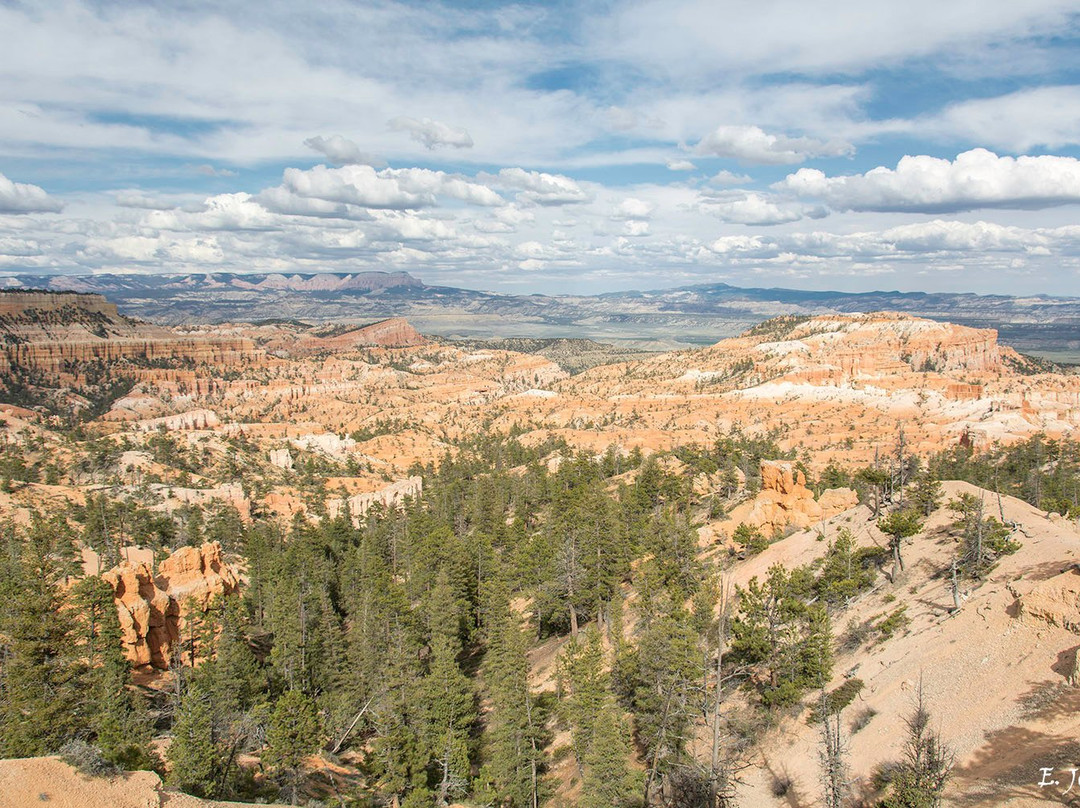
{"x":899,"y":525}
{"x":193,"y":754}
{"x":608,"y":781}
{"x":292,"y":733}
{"x":919,"y":780}
{"x":116,"y":718}
{"x":42,"y":686}
{"x":513,"y":723}
{"x":777,"y":629}
{"x":583,"y":687}
{"x":451,"y":711}
{"x":983,"y":538}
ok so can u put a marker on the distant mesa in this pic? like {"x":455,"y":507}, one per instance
{"x":51,"y":331}
{"x":393,"y":333}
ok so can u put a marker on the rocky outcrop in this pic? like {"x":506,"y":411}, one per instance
{"x":1055,"y":601}
{"x":183,"y":421}
{"x":152,"y":607}
{"x":281,"y":458}
{"x":149,"y":618}
{"x":195,"y":575}
{"x":785,"y":501}
{"x":884,"y":343}
{"x":389,"y":497}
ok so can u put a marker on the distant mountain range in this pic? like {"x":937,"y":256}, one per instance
{"x":661,"y":319}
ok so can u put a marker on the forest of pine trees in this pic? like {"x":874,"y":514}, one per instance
{"x":404,"y":642}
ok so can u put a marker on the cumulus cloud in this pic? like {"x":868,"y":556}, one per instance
{"x":341,"y":151}
{"x":724,"y":177}
{"x":752,"y":144}
{"x":424,"y":180}
{"x":753,"y":209}
{"x":19,"y":197}
{"x":222,"y":212}
{"x":354,"y":185}
{"x":911,"y":241}
{"x":364,"y":187}
{"x":543,"y":189}
{"x":432,"y":133}
{"x":137,"y":199}
{"x":976,"y":179}
{"x":633,"y":209}
{"x":283,"y":200}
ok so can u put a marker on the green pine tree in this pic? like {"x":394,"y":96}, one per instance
{"x":293,"y":732}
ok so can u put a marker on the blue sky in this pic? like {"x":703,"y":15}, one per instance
{"x":548,"y":147}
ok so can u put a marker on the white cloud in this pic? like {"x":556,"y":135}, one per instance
{"x":342,"y":151}
{"x":328,"y":189}
{"x":432,"y":133}
{"x":976,"y":179}
{"x":752,"y":144}
{"x":355,"y":185}
{"x":543,"y":189}
{"x":724,"y":177}
{"x":422,"y":180}
{"x":680,"y":165}
{"x":753,"y":209}
{"x":1027,"y":119}
{"x":633,"y":208}
{"x":222,"y":212}
{"x":138,"y":199}
{"x":699,"y":39}
{"x":915,"y":241}
{"x":19,"y":197}
{"x":281,"y":199}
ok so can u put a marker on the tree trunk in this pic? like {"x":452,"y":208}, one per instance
{"x":955,"y":589}
{"x":721,"y":641}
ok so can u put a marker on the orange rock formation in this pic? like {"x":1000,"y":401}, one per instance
{"x":152,"y":608}
{"x":785,"y":501}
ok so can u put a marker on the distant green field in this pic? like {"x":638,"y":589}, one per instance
{"x":1058,"y":357}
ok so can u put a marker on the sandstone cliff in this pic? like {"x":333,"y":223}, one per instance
{"x":51,"y":332}
{"x":152,"y":607}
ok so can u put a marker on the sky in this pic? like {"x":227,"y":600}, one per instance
{"x":551,"y":147}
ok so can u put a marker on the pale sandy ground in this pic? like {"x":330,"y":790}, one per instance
{"x":994,"y":680}
{"x":51,"y":783}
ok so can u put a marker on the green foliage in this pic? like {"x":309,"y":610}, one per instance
{"x":983,"y":538}
{"x":609,"y":782}
{"x":893,"y":622}
{"x":515,"y":726}
{"x":837,"y":699}
{"x":779,"y":630}
{"x":751,"y":538}
{"x":918,"y":780}
{"x":1041,"y":471}
{"x":193,"y":754}
{"x":925,"y":493}
{"x":42,"y":680}
{"x":846,"y":569}
{"x":292,"y":733}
